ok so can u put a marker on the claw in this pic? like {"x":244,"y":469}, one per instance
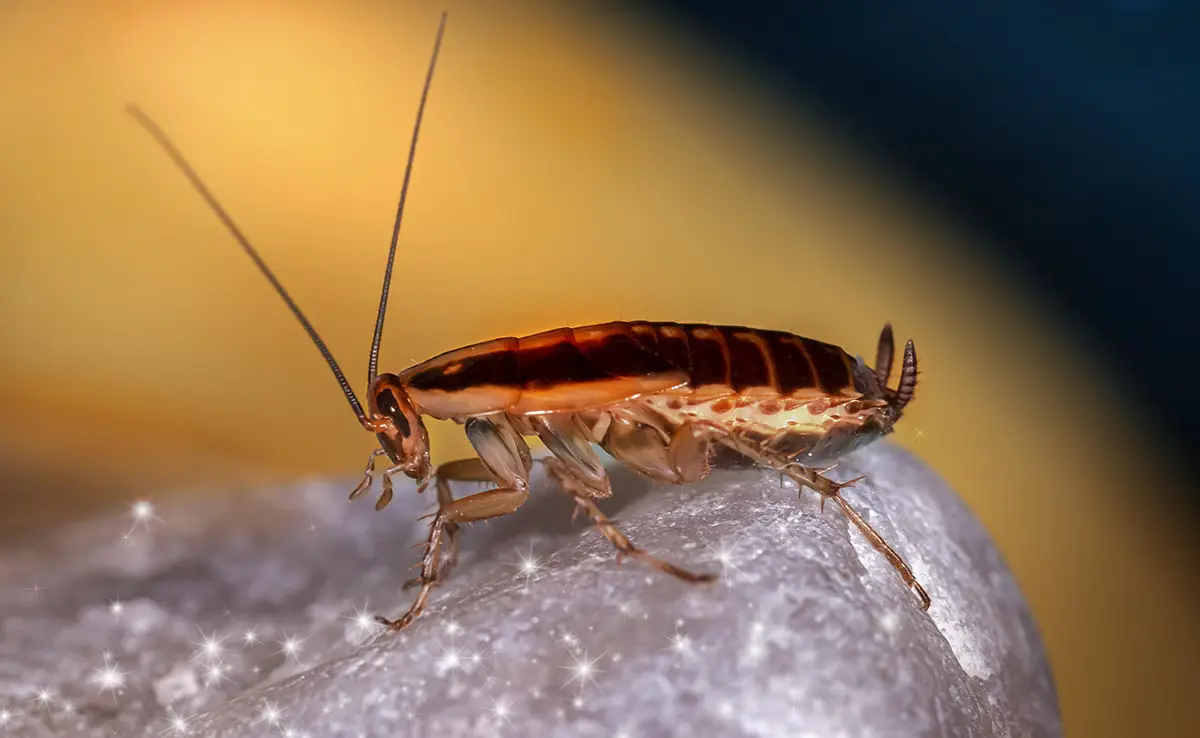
{"x":391,"y":624}
{"x":362,"y":487}
{"x":424,"y":484}
{"x":384,"y":498}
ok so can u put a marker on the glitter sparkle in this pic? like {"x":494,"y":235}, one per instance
{"x":528,"y":566}
{"x":209,"y":647}
{"x":142,"y":512}
{"x":364,"y":621}
{"x":724,"y":554}
{"x":452,"y":658}
{"x":109,"y":678}
{"x":681,"y":644}
{"x":177,"y":724}
{"x":270,"y":714}
{"x":44,"y":696}
{"x":215,"y":674}
{"x":290,"y":646}
{"x":502,"y":710}
{"x":583,"y":670}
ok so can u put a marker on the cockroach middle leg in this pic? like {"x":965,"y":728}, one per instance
{"x":459,"y":470}
{"x":682,"y":458}
{"x":829,"y":489}
{"x":577,"y":490}
{"x":574,"y":466}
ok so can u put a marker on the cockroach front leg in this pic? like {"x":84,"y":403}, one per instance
{"x":365,"y":484}
{"x":385,"y":481}
{"x":490,"y":504}
{"x":460,"y":470}
{"x":829,"y":489}
{"x":507,"y":463}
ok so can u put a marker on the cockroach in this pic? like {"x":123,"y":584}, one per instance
{"x":670,"y":401}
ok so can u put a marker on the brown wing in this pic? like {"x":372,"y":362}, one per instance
{"x":563,"y":369}
{"x":569,"y":369}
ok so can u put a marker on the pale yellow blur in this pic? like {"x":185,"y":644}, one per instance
{"x":573,"y":169}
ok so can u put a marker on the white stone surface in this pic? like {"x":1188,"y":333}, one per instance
{"x":237,"y":617}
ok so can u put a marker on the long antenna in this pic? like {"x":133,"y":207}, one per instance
{"x":173,"y":152}
{"x":373,"y":364}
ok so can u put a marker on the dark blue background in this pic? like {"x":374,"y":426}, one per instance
{"x":1069,"y":133}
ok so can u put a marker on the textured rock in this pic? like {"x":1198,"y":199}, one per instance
{"x":808,"y":633}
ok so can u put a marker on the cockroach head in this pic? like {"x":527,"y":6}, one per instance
{"x":401,"y":432}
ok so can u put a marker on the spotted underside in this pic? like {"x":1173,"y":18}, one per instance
{"x":709,"y":368}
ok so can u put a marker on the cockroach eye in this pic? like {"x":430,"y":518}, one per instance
{"x":386,"y":402}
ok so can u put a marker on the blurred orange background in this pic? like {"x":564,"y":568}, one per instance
{"x":575,"y":167}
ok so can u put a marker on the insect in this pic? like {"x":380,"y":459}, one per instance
{"x":669,"y":401}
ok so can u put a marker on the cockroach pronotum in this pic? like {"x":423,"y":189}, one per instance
{"x":668,"y":400}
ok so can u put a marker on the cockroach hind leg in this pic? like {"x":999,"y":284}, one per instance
{"x":836,"y":488}
{"x":829,"y":489}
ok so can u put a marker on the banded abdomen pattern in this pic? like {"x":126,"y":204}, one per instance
{"x":624,"y":355}
{"x":743,"y":358}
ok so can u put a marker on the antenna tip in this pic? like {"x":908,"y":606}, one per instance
{"x":135,"y":111}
